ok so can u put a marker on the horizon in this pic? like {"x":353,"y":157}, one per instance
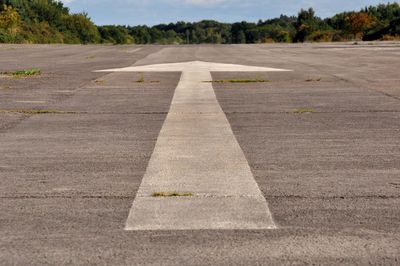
{"x":150,"y":13}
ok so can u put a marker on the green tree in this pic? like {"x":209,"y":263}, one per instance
{"x":306,"y":23}
{"x":84,"y":29}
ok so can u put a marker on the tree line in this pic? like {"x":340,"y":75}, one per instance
{"x":49,"y":21}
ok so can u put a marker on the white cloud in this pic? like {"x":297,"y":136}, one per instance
{"x":199,"y":3}
{"x":151,"y":12}
{"x":205,"y":2}
{"x":66,"y":1}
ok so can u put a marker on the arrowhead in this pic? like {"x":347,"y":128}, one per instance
{"x":193,"y":66}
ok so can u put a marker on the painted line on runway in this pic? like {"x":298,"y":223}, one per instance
{"x":197,"y":154}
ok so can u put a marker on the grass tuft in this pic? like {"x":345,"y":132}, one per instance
{"x":171,"y":194}
{"x":99,"y":81}
{"x":304,"y":111}
{"x":311,"y":80}
{"x":239,"y":81}
{"x":36,"y":111}
{"x":140,"y":79}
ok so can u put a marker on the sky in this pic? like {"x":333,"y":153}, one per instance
{"x":151,"y":12}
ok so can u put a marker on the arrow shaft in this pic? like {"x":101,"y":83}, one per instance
{"x":196,"y":152}
{"x":194,"y":94}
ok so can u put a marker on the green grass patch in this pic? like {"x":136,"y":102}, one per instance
{"x":304,"y":111}
{"x":239,"y":81}
{"x":36,"y":111}
{"x":90,"y":57}
{"x":171,"y":194}
{"x":27,"y":72}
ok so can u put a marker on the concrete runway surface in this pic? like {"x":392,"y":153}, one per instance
{"x":321,"y":142}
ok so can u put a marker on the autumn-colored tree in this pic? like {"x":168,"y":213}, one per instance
{"x":357,"y":23}
{"x":10,"y":20}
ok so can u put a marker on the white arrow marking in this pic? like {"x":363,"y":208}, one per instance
{"x":196,"y":152}
{"x":196,"y":66}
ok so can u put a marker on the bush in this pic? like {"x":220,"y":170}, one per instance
{"x":115,"y":35}
{"x":321,"y":36}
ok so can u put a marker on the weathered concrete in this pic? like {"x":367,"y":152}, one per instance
{"x":331,"y":177}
